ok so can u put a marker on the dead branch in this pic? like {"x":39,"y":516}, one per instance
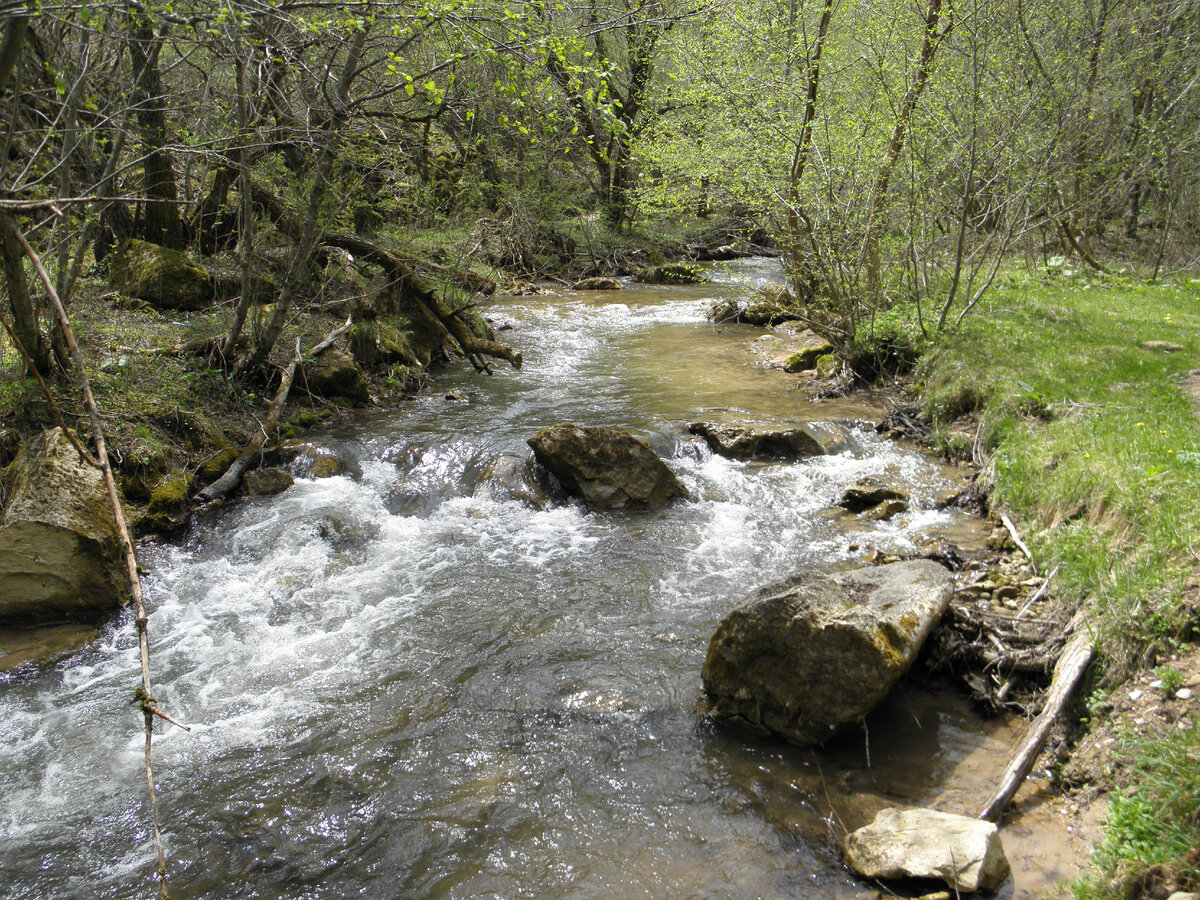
{"x":129,"y":554}
{"x":1016,"y":536}
{"x":415,"y":289}
{"x":227,"y":482}
{"x":1071,"y":666}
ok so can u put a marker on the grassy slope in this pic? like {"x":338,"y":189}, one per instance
{"x":1096,"y":451}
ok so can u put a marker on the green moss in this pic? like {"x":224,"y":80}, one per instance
{"x":214,"y":467}
{"x":171,"y":493}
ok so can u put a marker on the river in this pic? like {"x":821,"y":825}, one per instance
{"x":405,"y":683}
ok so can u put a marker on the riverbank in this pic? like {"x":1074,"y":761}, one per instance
{"x":1071,"y":392}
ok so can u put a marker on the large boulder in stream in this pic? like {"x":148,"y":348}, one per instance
{"x":744,"y":440}
{"x":59,"y":546}
{"x":810,"y":655}
{"x":166,"y":278}
{"x":922,"y":843}
{"x":609,"y":469}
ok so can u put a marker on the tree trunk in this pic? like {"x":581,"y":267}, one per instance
{"x":875,"y":216}
{"x":162,"y":223}
{"x":20,"y":301}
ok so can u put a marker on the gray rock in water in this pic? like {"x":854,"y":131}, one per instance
{"x":747,"y":441}
{"x":921,"y":843}
{"x":810,"y":655}
{"x":60,"y":550}
{"x":609,"y":469}
{"x":515,"y":477}
{"x":869,"y":494}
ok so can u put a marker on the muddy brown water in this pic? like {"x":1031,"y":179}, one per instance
{"x":403,"y":682}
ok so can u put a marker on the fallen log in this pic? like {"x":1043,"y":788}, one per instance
{"x":1070,"y":668}
{"x":415,"y":289}
{"x":228,"y":481}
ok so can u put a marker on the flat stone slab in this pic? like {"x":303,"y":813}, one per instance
{"x":965,"y":853}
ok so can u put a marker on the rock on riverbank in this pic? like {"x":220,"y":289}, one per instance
{"x":59,"y":547}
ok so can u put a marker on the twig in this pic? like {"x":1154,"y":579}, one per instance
{"x":128,"y":552}
{"x":1038,"y":594}
{"x":1012,"y":530}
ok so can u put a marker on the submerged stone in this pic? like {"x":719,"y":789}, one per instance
{"x":811,"y":655}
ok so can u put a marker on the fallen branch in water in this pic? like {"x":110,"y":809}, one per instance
{"x":227,"y":482}
{"x":142,"y":695}
{"x":1070,"y":668}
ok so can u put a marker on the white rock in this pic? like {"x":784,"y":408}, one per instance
{"x":964,"y":853}
{"x":1136,"y":695}
{"x":1183,"y":694}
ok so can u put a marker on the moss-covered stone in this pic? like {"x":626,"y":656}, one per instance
{"x":266,"y":482}
{"x":214,"y":467}
{"x":169,"y":508}
{"x":828,"y":365}
{"x":806,"y":357}
{"x":670,"y":273}
{"x":335,"y":375}
{"x":166,"y":278}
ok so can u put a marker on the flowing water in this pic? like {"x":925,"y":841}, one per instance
{"x":404,"y":682}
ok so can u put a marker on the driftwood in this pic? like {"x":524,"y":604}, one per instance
{"x":142,"y":695}
{"x":432,"y":307}
{"x":1070,"y":668}
{"x":1016,"y":536}
{"x":227,"y":482}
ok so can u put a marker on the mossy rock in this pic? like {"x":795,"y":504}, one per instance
{"x":828,"y":365}
{"x":166,"y":278}
{"x":267,"y":482}
{"x":806,"y":357}
{"x":169,"y":507}
{"x":670,"y":273}
{"x":60,"y":551}
{"x":335,"y":374}
{"x":215,"y":466}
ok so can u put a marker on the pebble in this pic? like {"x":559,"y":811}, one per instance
{"x":1183,"y":694}
{"x":1157,"y":685}
{"x":1136,"y":695}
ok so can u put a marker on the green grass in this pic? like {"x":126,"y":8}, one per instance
{"x":1095,"y":451}
{"x":1155,"y":821}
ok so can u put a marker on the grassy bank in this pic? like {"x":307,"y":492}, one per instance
{"x":1075,"y":391}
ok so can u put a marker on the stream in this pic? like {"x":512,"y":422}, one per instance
{"x":403,"y":682}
